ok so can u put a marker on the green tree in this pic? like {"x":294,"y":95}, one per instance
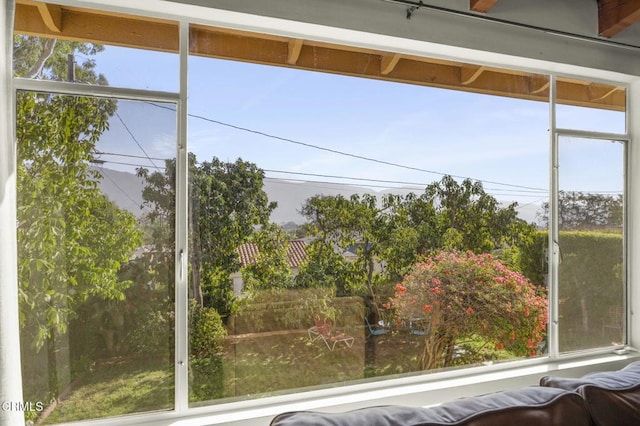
{"x":271,"y":269}
{"x":60,"y":222}
{"x":462,"y":216}
{"x":389,"y":235}
{"x":462,"y":295}
{"x":48,"y":58}
{"x":360,"y":243}
{"x":227,"y":203}
{"x":584,"y":211}
{"x":67,"y":249}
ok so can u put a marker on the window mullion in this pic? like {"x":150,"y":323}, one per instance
{"x":553,"y":248}
{"x":182,"y":253}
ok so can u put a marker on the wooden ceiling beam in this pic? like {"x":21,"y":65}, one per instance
{"x":482,"y":6}
{"x":616,"y":15}
{"x":609,"y":97}
{"x":99,"y":28}
{"x":155,"y":34}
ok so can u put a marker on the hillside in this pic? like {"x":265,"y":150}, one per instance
{"x":125,"y":189}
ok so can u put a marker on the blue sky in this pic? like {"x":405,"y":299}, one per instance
{"x":499,"y":140}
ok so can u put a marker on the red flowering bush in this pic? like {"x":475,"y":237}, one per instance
{"x":466,"y":295}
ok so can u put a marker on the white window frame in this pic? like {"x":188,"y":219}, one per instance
{"x":414,"y":390}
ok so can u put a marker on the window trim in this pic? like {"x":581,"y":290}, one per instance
{"x":391,"y":390}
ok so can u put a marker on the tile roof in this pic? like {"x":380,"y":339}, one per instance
{"x":296,"y":253}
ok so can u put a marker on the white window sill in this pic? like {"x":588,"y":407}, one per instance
{"x":419,"y":390}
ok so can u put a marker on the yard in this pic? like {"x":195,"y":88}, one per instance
{"x":252,"y":365}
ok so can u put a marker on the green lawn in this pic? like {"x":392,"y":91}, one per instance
{"x":251,"y":366}
{"x":118,"y":387}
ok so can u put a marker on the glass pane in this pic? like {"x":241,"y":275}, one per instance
{"x":591,"y":286}
{"x":314,"y":194}
{"x":95,"y":256}
{"x":95,"y":47}
{"x":586,"y":105}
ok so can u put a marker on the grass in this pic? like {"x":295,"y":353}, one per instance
{"x":118,"y":387}
{"x":251,"y":366}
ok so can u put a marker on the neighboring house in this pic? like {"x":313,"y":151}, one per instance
{"x":296,"y":255}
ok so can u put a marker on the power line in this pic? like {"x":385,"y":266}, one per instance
{"x":343,"y":153}
{"x":130,"y":155}
{"x":319,"y":182}
{"x":118,"y":186}
{"x":345,"y":177}
{"x":135,"y":140}
{"x":129,"y":164}
{"x":416,"y":185}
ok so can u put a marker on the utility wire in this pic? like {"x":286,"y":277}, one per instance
{"x":118,"y":186}
{"x":129,"y":164}
{"x":413,"y":185}
{"x":343,"y":153}
{"x":136,"y":140}
{"x":389,"y":189}
{"x":320,"y":182}
{"x":130,"y":155}
{"x":416,"y":185}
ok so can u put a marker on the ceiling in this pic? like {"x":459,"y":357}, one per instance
{"x":613,"y":15}
{"x":614,"y":18}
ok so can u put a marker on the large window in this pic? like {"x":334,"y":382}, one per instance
{"x":95,"y":259}
{"x":340,"y":215}
{"x":326,"y":190}
{"x":591,"y":222}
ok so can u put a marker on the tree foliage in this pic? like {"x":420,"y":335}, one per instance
{"x":355,"y":238}
{"x":227,"y":203}
{"x":584,"y":211}
{"x":463,"y":216}
{"x":67,"y":248}
{"x":271,"y":269}
{"x":466,"y":295}
{"x":47,"y":58}
{"x":389,"y":235}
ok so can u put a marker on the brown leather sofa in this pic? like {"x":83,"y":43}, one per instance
{"x":599,"y":399}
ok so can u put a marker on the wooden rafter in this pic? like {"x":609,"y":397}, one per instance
{"x":51,"y":16}
{"x":598,"y":92}
{"x":539,"y":85}
{"x":295,"y":46}
{"x":115,"y":29}
{"x":118,"y":29}
{"x":481,"y":6}
{"x":470,"y":73}
{"x":616,"y":15}
{"x":388,"y":63}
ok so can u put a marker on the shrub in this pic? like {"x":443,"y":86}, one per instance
{"x":460,"y":295}
{"x":207,"y":332}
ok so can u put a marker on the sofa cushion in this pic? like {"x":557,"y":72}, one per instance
{"x":612,"y":398}
{"x":523,"y":407}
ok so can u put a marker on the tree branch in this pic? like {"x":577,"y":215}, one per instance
{"x":47,"y":51}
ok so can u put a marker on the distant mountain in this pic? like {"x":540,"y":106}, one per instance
{"x":125,"y":189}
{"x":290,"y":196}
